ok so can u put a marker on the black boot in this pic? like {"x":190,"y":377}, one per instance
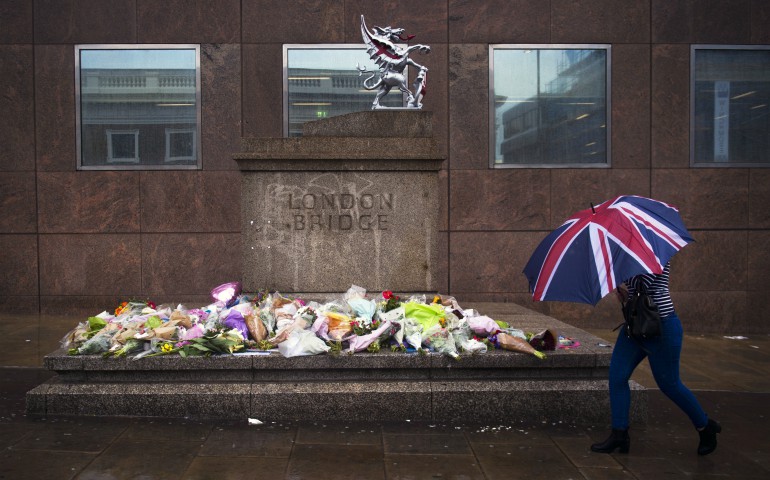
{"x":708,"y":437}
{"x":617,"y":439}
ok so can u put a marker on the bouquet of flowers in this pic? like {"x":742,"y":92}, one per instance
{"x":235,"y":322}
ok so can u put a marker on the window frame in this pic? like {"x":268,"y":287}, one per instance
{"x":321,"y":46}
{"x":162,"y":165}
{"x":122,"y":160}
{"x":693,"y":162}
{"x":171,"y":131}
{"x":553,"y":46}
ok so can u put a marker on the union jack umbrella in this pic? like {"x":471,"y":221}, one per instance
{"x":598,"y":248}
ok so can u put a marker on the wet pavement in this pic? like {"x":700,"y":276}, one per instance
{"x":729,"y":377}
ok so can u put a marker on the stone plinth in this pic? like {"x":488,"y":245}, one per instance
{"x":354,"y":201}
{"x":569,"y":386}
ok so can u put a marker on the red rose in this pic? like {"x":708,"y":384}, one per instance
{"x":387,"y":294}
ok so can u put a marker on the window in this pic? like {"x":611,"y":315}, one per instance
{"x":549,"y":106}
{"x":321,"y":81}
{"x":730,"y":102}
{"x":138,"y":107}
{"x":180,"y":145}
{"x":122,"y":146}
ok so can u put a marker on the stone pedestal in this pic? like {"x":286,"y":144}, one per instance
{"x":353,"y":201}
{"x":569,"y":386}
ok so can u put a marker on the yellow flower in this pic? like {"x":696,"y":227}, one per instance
{"x":166,"y":348}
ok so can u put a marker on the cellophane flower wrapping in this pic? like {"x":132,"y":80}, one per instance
{"x":302,"y":342}
{"x":440,"y":340}
{"x":482,"y":325}
{"x":359,"y":343}
{"x":296,"y":327}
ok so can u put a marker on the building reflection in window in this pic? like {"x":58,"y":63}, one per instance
{"x":549,"y":106}
{"x":138,"y":107}
{"x":322,"y":81}
{"x":730,"y":106}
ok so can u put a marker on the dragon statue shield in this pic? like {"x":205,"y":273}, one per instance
{"x":392,"y":61}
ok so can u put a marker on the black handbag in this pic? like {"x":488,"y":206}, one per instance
{"x":641,"y":315}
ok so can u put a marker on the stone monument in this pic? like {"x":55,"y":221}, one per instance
{"x":353,"y":201}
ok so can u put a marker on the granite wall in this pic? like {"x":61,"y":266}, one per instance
{"x":79,"y":242}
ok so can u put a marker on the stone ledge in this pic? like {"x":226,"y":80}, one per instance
{"x":380,"y":123}
{"x":478,"y":401}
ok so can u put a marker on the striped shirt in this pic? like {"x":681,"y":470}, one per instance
{"x":656,"y":287}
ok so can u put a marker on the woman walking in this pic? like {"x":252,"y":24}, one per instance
{"x":663,"y":353}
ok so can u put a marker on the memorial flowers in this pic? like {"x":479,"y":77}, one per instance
{"x":236,"y":323}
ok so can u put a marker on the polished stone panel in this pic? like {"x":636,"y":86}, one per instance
{"x":705,"y":197}
{"x":717,"y":260}
{"x":630,"y":106}
{"x":222,"y":100}
{"x":469,"y":106}
{"x":718,"y":311}
{"x":16,"y":18}
{"x":17,"y":124}
{"x":18,"y":199}
{"x":303,"y":21}
{"x":88,"y":202}
{"x":575,"y":190}
{"x":426,"y":20}
{"x":490,"y":261}
{"x":88,"y":264}
{"x":760,"y":22}
{"x":672,"y":21}
{"x":188,"y":21}
{"x":722,"y":21}
{"x":759,"y":263}
{"x":670,"y":106}
{"x":190,"y":201}
{"x":262,"y":85}
{"x":600,"y":21}
{"x":512,"y":199}
{"x":436,"y":93}
{"x":499,"y":21}
{"x":759,"y":198}
{"x":192,"y":263}
{"x":85,"y":21}
{"x":55,"y":107}
{"x":87,"y":305}
{"x":20,"y":270}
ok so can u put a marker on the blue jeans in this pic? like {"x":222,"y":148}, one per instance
{"x":663,"y":354}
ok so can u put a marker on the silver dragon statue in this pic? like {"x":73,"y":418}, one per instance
{"x":392,"y":60}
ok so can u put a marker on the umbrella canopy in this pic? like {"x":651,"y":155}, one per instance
{"x":596,"y":249}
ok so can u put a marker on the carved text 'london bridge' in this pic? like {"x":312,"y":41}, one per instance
{"x":341,"y":211}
